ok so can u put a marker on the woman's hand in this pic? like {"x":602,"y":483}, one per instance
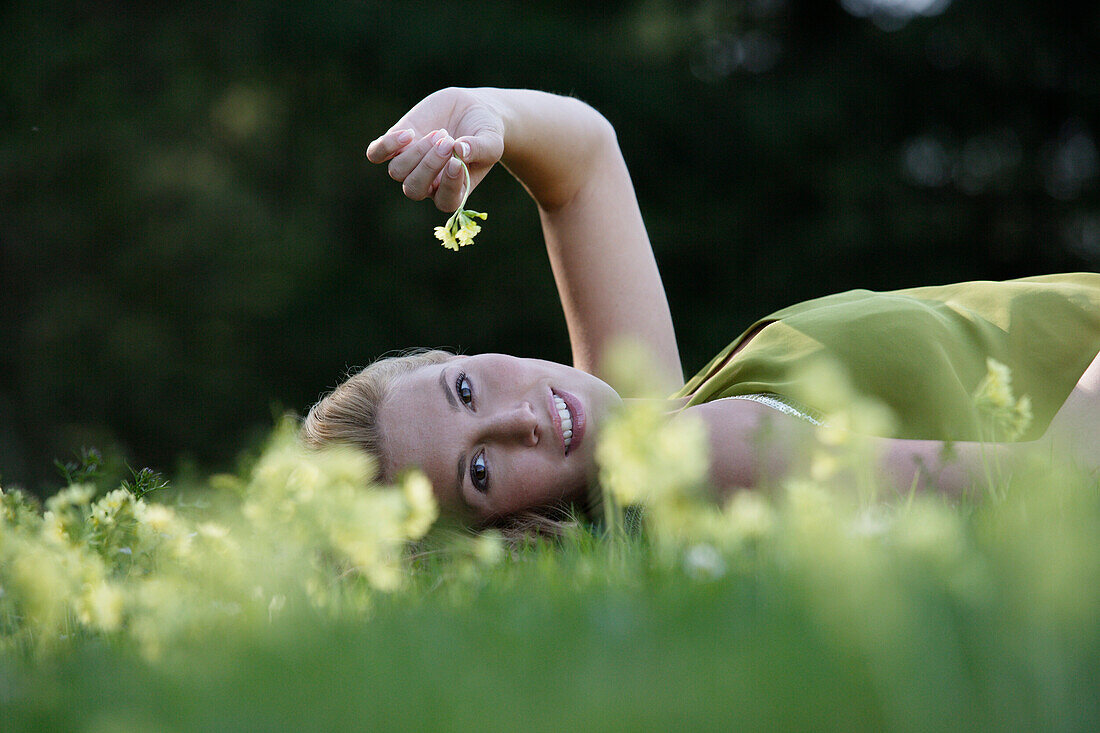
{"x":567,"y":156}
{"x":421,"y":146}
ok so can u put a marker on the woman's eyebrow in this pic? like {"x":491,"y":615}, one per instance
{"x":447,"y":390}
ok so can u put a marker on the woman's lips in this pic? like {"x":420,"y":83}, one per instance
{"x":576,"y":412}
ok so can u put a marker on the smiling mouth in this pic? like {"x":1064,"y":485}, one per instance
{"x":566,"y":421}
{"x":569,"y":417}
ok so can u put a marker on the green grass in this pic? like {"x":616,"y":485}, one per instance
{"x":802,"y":608}
{"x":588,"y":636}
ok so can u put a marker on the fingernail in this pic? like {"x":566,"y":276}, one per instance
{"x":454,"y":168}
{"x":404,"y":136}
{"x":438,"y":135}
{"x":445,"y":146}
{"x":463,"y":150}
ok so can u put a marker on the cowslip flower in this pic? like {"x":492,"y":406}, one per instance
{"x":422,"y":507}
{"x":994,"y":392}
{"x":993,"y":397}
{"x":646,"y":458}
{"x":461,"y":228}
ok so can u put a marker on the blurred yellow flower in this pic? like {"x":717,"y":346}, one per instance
{"x":647,"y":457}
{"x":994,"y":392}
{"x":489,"y":548}
{"x":72,"y":496}
{"x":423,"y":510}
{"x":212,"y":530}
{"x":750,"y":514}
{"x":156,"y":517}
{"x":101,"y":606}
{"x":824,"y":466}
{"x":1008,"y":417}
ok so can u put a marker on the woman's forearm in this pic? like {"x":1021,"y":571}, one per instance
{"x":567,"y":156}
{"x":752,"y":444}
{"x":949,"y":468}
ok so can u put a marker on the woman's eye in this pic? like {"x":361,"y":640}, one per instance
{"x":464,"y":390}
{"x":479,"y":474}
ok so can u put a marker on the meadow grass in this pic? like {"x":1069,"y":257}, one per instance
{"x":270,"y":601}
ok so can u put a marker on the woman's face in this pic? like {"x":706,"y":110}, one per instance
{"x":492,"y":432}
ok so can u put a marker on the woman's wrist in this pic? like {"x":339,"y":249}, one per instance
{"x":552,"y":144}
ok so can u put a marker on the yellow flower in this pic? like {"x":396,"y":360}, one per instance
{"x":157,"y":517}
{"x":445,"y":235}
{"x":994,"y":392}
{"x":1008,"y":416}
{"x":489,"y":548}
{"x":72,"y":496}
{"x":750,"y":515}
{"x":461,"y":228}
{"x":1021,"y":417}
{"x":100,"y":606}
{"x":423,"y":510}
{"x":645,"y":457}
{"x":106,"y":510}
{"x":824,"y":466}
{"x":212,"y":530}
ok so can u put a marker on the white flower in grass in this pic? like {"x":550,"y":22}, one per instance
{"x":703,"y":562}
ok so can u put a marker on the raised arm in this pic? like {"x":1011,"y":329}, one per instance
{"x":567,"y":157}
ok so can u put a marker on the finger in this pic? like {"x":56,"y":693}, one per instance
{"x":448,"y":195}
{"x":406,"y":161}
{"x":418,"y":182}
{"x":483,"y":148}
{"x":389,"y":145}
{"x":435,"y":183}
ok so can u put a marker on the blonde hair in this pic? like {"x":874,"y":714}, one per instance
{"x":349,"y":415}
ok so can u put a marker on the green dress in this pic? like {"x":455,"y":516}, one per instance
{"x":921,"y":352}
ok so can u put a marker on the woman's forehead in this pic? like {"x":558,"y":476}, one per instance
{"x":414,"y":423}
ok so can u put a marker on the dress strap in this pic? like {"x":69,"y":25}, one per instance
{"x":784,"y":404}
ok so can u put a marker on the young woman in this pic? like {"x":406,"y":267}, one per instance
{"x":500,"y":435}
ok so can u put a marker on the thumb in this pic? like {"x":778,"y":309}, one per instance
{"x":484,"y":148}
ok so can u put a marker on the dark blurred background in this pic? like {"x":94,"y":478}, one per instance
{"x":191,"y":239}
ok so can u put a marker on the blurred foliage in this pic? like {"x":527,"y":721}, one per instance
{"x":292,"y":598}
{"x":191,"y":237}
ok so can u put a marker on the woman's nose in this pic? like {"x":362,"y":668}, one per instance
{"x":516,"y":424}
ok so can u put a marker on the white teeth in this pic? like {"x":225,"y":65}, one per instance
{"x":566,"y":420}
